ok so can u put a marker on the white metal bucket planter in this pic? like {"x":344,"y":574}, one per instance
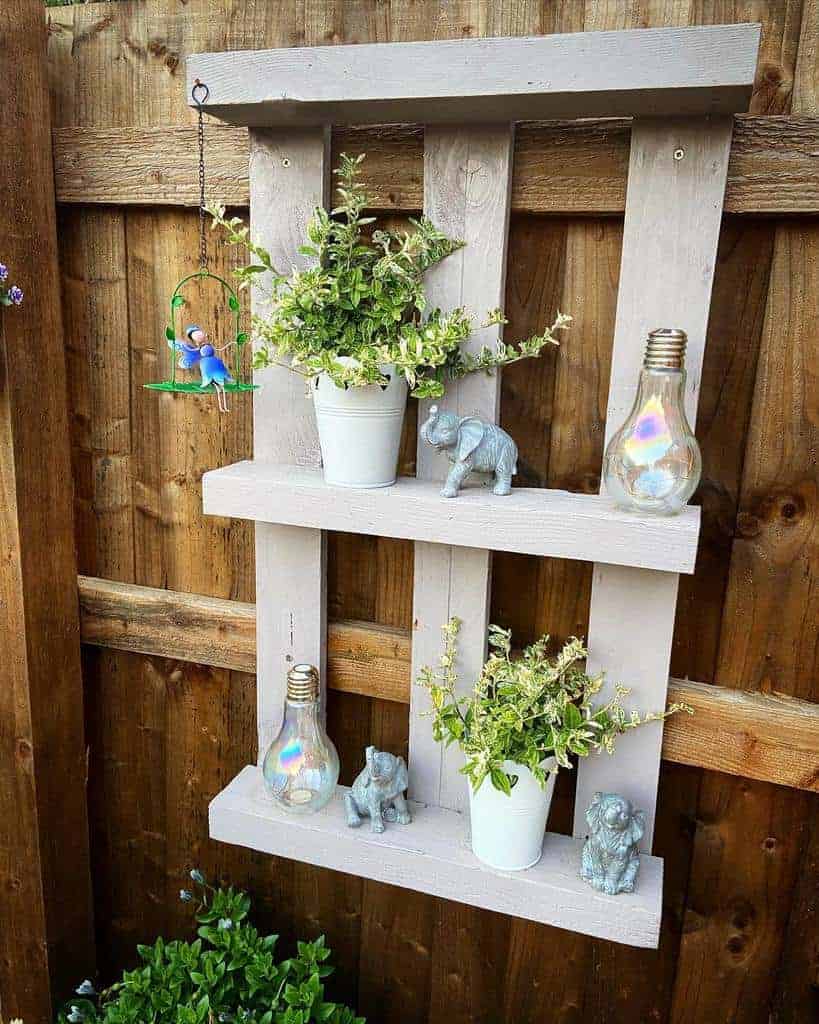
{"x":360,"y":430}
{"x":507,"y":831}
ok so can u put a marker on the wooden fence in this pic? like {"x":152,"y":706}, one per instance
{"x":166,"y":595}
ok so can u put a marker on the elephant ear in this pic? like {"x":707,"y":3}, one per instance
{"x":638,"y":826}
{"x":401,"y":776}
{"x":593,"y":812}
{"x":470,"y":435}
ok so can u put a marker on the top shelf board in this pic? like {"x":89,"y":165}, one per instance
{"x":531,"y":521}
{"x":646,"y":72}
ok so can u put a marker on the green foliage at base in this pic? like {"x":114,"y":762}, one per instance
{"x":228,"y":975}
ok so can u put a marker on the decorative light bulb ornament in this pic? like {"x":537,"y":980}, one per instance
{"x":653,"y":462}
{"x":300,"y":768}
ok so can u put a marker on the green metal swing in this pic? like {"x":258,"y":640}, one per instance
{"x":173,"y":334}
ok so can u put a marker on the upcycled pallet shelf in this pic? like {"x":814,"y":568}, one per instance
{"x":432,"y":855}
{"x":680,"y":87}
{"x":530,"y":521}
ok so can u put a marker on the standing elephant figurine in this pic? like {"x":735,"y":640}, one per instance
{"x":378,"y":792}
{"x":471,"y":444}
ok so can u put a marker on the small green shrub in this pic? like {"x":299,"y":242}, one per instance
{"x":361,"y":304}
{"x":526,"y":709}
{"x":228,"y":975}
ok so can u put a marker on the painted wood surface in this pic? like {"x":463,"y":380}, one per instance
{"x":528,"y":521}
{"x":432,"y":855}
{"x":765,"y":736}
{"x":289,"y":177}
{"x":652,"y":72}
{"x":677,"y":177}
{"x":46,"y":910}
{"x":163,"y":768}
{"x":467,"y":177}
{"x":559,"y":167}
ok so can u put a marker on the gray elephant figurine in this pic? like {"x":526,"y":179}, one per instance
{"x":610,"y":860}
{"x":378,"y":792}
{"x":471,"y":444}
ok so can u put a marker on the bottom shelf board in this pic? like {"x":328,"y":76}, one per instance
{"x":432,"y":855}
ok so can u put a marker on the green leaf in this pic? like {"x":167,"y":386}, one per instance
{"x":170,"y":333}
{"x":500,"y":780}
{"x":241,"y":337}
{"x":233,"y":302}
{"x":177,"y":301}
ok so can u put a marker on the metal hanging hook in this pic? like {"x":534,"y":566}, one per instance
{"x":199,"y":95}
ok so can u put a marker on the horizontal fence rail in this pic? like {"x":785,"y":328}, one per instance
{"x":764,"y":736}
{"x":559,"y":167}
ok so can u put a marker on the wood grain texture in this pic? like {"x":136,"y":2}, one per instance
{"x":559,"y":167}
{"x":46,"y":913}
{"x":467,"y":177}
{"x":289,"y":177}
{"x":654,"y":72}
{"x":434,"y":856}
{"x":132,"y":53}
{"x":767,"y":736}
{"x":672,"y":247}
{"x":528,"y":521}
{"x":771,"y":586}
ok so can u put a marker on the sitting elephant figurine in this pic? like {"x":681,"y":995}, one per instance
{"x":378,"y":792}
{"x":471,"y":444}
{"x":610,"y":860}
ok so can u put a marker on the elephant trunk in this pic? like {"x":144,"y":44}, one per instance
{"x":429,"y":423}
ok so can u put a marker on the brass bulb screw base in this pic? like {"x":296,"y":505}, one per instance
{"x":303,"y":683}
{"x":665,"y":349}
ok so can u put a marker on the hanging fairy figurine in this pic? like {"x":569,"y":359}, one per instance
{"x":195,"y":351}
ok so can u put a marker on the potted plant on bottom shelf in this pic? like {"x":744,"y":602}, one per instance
{"x":229,"y":974}
{"x":352,"y":325}
{"x":522,"y":722}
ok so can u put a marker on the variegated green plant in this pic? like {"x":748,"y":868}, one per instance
{"x":360,"y":305}
{"x":526,"y":709}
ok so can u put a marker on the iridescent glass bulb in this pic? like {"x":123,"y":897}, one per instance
{"x":653,"y":462}
{"x":300,"y":768}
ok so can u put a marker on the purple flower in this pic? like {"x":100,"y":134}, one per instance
{"x":4,"y":271}
{"x":15,"y":294}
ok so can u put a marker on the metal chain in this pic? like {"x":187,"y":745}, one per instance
{"x":199,"y":94}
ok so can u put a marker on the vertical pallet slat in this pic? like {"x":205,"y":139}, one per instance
{"x":467,"y":181}
{"x":676,"y":183}
{"x":289,"y":176}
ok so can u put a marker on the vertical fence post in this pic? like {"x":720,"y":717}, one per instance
{"x":46,"y":928}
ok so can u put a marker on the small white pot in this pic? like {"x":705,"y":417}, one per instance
{"x":360,"y":430}
{"x":507,"y":831}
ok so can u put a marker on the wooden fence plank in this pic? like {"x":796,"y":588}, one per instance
{"x":769,"y":631}
{"x":559,"y":167}
{"x":46,"y":917}
{"x":767,"y":736}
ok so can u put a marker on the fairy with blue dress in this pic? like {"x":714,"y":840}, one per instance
{"x":198,"y":351}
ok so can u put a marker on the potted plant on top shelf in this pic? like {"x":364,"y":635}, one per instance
{"x":353,"y":325}
{"x":522,"y":722}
